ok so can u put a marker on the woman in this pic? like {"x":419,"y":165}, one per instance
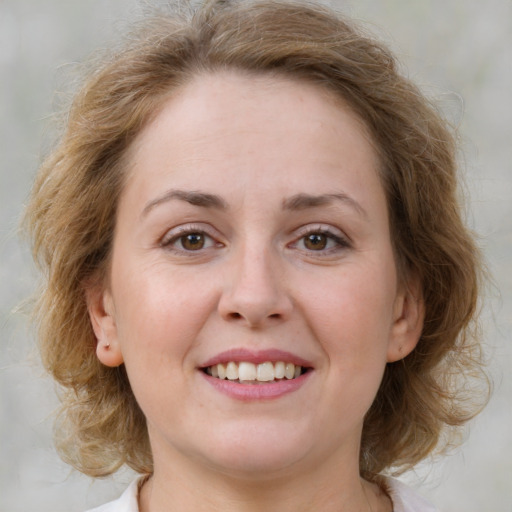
{"x":257,"y":273}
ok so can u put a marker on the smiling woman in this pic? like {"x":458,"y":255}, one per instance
{"x":260,"y":293}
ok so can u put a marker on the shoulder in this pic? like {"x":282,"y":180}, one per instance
{"x":127,"y":502}
{"x":406,"y":499}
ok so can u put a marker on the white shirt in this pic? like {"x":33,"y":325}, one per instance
{"x":403,"y":497}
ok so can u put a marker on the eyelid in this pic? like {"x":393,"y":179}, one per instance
{"x":342,"y":240}
{"x":173,"y":234}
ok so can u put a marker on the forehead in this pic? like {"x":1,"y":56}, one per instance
{"x":259,"y":130}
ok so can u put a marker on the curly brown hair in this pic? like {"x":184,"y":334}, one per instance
{"x":72,"y":211}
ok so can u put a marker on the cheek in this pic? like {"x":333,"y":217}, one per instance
{"x":352,"y":311}
{"x":157,"y":310}
{"x":157,"y":325}
{"x":353,"y":325}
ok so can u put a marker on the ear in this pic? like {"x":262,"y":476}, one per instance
{"x":409,"y":313}
{"x":102,"y":314}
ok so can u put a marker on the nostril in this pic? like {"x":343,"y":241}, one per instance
{"x":238,"y":316}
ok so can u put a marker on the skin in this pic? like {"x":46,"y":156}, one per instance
{"x":254,"y":281}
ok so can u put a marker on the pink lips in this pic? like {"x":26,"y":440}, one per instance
{"x":252,"y":392}
{"x":255,"y":392}
{"x":261,"y":356}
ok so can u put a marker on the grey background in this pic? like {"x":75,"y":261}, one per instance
{"x":458,"y":50}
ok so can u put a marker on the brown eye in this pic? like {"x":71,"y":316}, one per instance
{"x":316,"y":241}
{"x":192,"y":241}
{"x":188,"y":239}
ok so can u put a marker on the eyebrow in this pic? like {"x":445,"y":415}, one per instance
{"x":305,"y":201}
{"x":294,"y":203}
{"x":190,"y":196}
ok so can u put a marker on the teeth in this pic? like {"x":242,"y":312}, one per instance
{"x":266,"y":372}
{"x":289,"y":370}
{"x":279,"y":370}
{"x":221,"y":370}
{"x":247,"y":372}
{"x":232,"y":371}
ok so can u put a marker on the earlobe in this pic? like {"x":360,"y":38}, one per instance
{"x":102,"y":316}
{"x":409,"y":313}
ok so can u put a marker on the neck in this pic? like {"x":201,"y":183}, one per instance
{"x":181,"y":487}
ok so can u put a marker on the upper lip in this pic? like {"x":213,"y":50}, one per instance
{"x":256,"y":357}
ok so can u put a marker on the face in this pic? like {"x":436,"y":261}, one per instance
{"x":252,"y":239}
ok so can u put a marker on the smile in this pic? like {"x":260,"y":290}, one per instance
{"x":246,"y":372}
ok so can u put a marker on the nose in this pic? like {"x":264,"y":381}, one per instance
{"x":254,"y":291}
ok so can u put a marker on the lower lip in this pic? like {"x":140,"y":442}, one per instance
{"x":253,"y":392}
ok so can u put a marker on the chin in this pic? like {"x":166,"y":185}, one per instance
{"x":257,"y":452}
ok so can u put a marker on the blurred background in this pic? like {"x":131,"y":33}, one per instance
{"x":459,"y":51}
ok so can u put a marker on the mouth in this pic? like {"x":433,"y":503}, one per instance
{"x":256,"y":376}
{"x":246,"y":372}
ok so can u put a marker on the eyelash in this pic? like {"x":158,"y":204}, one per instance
{"x":179,"y":235}
{"x":341,"y":242}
